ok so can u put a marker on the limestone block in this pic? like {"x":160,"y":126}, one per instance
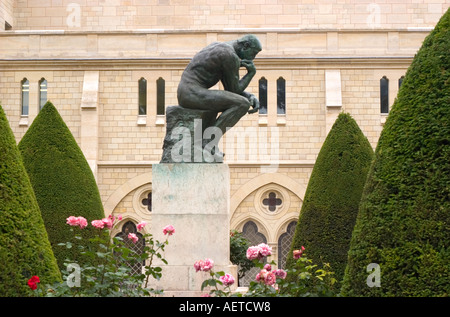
{"x":184,"y":142}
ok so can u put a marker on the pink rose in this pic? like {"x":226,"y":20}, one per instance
{"x":133,"y":237}
{"x":298,"y":253}
{"x":141,"y":225}
{"x":227,"y":279}
{"x":169,"y":230}
{"x":264,"y":250}
{"x":77,"y":221}
{"x":270,"y":279}
{"x":204,"y":265}
{"x":280,"y":273}
{"x":252,"y":253}
{"x":108,"y":222}
{"x":72,"y":221}
{"x":98,"y":224}
{"x":258,"y":252}
{"x":261,"y":276}
{"x":268,"y":267}
{"x":266,"y":277}
{"x":82,"y":222}
{"x":208,"y":265}
{"x":198,"y":265}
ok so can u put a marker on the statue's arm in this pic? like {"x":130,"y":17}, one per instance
{"x":230,"y":78}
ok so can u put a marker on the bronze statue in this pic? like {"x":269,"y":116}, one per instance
{"x":221,"y":62}
{"x":203,"y":109}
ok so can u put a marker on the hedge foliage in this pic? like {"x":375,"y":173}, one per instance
{"x":61,"y":177}
{"x":25,"y":250}
{"x":404,"y":220}
{"x":331,"y":201}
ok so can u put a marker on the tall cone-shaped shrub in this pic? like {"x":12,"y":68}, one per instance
{"x":331,"y":202}
{"x":61,"y":177}
{"x":25,"y":250}
{"x":403,"y":226}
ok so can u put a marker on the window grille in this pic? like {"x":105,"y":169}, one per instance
{"x":284,"y":244}
{"x":251,"y":233}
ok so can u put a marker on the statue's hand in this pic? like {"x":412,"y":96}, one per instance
{"x":254,"y":103}
{"x":249,"y":65}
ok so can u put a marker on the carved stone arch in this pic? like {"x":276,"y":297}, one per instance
{"x":262,"y":228}
{"x":123,"y":190}
{"x":262,"y":180}
{"x":129,"y":217}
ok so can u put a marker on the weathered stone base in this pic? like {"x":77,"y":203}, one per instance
{"x":184,"y":142}
{"x":194,"y":198}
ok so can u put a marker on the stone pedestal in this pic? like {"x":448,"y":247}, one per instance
{"x":194,"y":198}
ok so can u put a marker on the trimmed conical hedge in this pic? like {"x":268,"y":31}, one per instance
{"x":404,"y":220}
{"x":61,"y":178}
{"x":333,"y":194}
{"x":25,"y":250}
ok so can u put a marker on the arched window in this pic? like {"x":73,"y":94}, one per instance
{"x":251,"y":233}
{"x":384,"y":95}
{"x":281,"y":96}
{"x":160,"y":96}
{"x":284,"y":244}
{"x":138,"y":247}
{"x":42,"y":92}
{"x":142,"y":96}
{"x":25,"y":88}
{"x":262,"y":95}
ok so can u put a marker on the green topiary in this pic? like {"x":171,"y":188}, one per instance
{"x":332,"y":197}
{"x":404,"y":220}
{"x":61,"y":177}
{"x":25,"y":250}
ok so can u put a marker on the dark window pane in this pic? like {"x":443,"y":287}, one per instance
{"x":160,"y":96}
{"x":400,"y":80}
{"x":148,"y":201}
{"x":384,"y":95}
{"x":25,"y":96}
{"x":142,"y":96}
{"x":263,"y":96}
{"x":272,"y":202}
{"x":281,"y":95}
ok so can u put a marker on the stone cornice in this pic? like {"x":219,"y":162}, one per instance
{"x":278,"y":63}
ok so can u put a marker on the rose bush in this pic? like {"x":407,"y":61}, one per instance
{"x":110,"y":260}
{"x":304,"y":279}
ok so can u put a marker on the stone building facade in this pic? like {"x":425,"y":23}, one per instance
{"x":111,"y":67}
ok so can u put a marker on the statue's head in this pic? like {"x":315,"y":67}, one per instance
{"x":247,"y":47}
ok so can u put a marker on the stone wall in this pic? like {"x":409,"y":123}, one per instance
{"x":101,"y":15}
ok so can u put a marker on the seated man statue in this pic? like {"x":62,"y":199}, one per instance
{"x":221,"y":62}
